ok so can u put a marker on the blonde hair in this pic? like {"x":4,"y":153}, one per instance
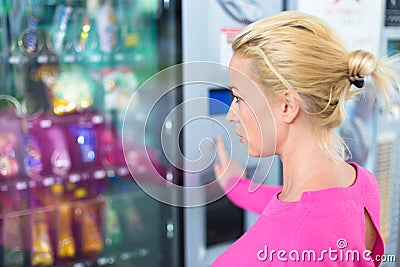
{"x":300,"y":52}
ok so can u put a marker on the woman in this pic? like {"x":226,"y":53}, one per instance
{"x":327,"y":211}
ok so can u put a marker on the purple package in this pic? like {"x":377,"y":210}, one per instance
{"x":60,"y":158}
{"x":33,"y":157}
{"x":83,"y":139}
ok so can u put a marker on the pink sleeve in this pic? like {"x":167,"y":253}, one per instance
{"x":252,"y":201}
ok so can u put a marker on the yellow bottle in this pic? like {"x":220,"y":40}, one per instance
{"x":42,"y":252}
{"x":86,"y":215}
{"x":66,"y":244}
{"x":92,"y":240}
{"x":66,"y":248}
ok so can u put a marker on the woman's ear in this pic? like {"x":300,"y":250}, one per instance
{"x":290,"y":106}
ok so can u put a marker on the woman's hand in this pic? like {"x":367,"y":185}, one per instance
{"x":226,"y":168}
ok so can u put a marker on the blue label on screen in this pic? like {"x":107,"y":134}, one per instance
{"x":219,"y":100}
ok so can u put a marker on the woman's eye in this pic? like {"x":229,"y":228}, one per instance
{"x":236,"y":99}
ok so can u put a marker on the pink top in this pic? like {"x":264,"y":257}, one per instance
{"x":324,"y":228}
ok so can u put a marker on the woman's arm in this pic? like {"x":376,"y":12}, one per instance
{"x":238,"y":193}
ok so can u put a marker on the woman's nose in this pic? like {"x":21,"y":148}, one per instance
{"x":231,"y":116}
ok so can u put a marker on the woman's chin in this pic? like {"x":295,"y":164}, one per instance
{"x":253,"y":153}
{"x":258,"y":154}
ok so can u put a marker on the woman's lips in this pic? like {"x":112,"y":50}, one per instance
{"x":240,"y":137}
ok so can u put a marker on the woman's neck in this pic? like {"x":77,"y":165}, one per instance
{"x":307,"y":167}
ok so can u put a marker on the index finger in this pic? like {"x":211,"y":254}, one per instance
{"x":223,"y":156}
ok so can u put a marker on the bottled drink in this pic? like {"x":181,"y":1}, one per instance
{"x":66,"y":248}
{"x":85,"y":215}
{"x":61,"y":23}
{"x":14,"y":255}
{"x":112,"y":228}
{"x":107,"y":27}
{"x":42,"y":251}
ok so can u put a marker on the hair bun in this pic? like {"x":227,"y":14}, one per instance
{"x":361,"y":64}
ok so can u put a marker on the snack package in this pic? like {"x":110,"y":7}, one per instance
{"x":11,"y":147}
{"x":33,"y":157}
{"x":72,"y":91}
{"x":54,"y":150}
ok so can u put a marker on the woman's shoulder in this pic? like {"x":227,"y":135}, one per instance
{"x":365,"y":181}
{"x":364,"y":190}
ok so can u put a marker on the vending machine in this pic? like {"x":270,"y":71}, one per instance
{"x":68,"y":72}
